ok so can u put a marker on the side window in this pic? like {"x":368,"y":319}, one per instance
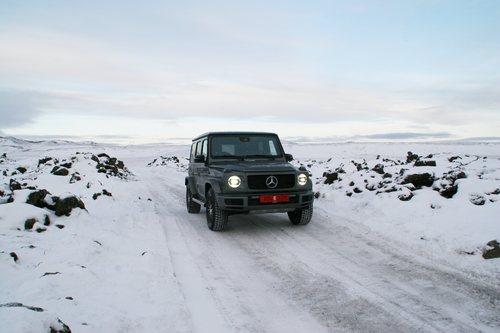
{"x":193,"y":150}
{"x":198,"y":148}
{"x":204,"y":148}
{"x":272,"y":148}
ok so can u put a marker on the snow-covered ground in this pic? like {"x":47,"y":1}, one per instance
{"x":392,"y":246}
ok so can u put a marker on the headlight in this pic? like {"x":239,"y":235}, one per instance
{"x":302,"y":179}
{"x":234,"y":181}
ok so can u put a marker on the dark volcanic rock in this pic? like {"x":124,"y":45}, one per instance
{"x":66,"y":205}
{"x":44,"y":160}
{"x":493,"y":252}
{"x":330,"y":177}
{"x":67,"y":165}
{"x":64,"y":329}
{"x":60,"y":206}
{"x":379,"y":168}
{"x":360,"y":166}
{"x":425,"y":163}
{"x":451,"y":189}
{"x":449,"y":192}
{"x":21,"y":170}
{"x":477,"y":200}
{"x":420,"y":179}
{"x":104,"y":192}
{"x":14,"y":256}
{"x":111,"y":166}
{"x":411,"y":157}
{"x":60,"y":171}
{"x":28,"y":225}
{"x":75,"y":178}
{"x":14,"y":185}
{"x":37,"y":198}
{"x":357,"y":190}
{"x":46,"y":221}
{"x":21,"y":305}
{"x":405,"y":197}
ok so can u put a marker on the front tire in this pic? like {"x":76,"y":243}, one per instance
{"x":301,"y":216}
{"x":216,"y":217}
{"x":192,"y":207}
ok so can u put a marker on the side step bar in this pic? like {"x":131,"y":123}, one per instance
{"x":199,"y":202}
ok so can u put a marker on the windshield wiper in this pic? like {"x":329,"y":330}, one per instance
{"x":232,"y":156}
{"x":262,"y":156}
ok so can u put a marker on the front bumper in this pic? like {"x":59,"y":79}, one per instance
{"x":250,"y":202}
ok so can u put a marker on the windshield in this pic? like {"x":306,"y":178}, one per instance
{"x":243,"y":146}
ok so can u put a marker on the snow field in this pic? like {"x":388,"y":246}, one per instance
{"x":135,"y":261}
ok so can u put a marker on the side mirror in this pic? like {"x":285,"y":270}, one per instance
{"x":199,"y":159}
{"x":289,"y":157}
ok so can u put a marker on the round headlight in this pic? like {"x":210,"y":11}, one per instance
{"x":302,"y":179}
{"x":234,"y":181}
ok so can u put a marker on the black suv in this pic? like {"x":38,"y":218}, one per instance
{"x":245,"y":172}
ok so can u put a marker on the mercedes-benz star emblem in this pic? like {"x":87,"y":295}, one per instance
{"x":271,"y":182}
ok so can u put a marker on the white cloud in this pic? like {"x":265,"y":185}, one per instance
{"x":60,"y":58}
{"x":18,"y":108}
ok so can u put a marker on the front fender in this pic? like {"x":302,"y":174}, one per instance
{"x":215,"y":185}
{"x":190,"y":183}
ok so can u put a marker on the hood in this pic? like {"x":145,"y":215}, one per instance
{"x":256,"y":166}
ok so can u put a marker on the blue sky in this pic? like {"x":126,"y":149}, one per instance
{"x":329,"y":71}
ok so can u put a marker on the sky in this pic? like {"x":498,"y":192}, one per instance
{"x":131,"y":72}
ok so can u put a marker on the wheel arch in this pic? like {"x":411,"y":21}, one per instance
{"x":213,"y":184}
{"x":190,"y":183}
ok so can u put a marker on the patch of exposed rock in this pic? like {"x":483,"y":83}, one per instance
{"x":110,"y":166}
{"x":43,"y":199}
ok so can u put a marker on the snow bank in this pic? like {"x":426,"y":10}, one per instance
{"x":440,"y":200}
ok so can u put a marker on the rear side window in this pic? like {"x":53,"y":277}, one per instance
{"x":193,"y":150}
{"x":198,"y":148}
{"x":204,"y":149}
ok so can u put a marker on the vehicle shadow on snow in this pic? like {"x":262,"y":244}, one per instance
{"x":258,"y":223}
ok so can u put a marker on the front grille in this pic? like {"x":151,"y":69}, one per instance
{"x":258,"y":182}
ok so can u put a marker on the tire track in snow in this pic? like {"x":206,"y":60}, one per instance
{"x":198,"y":297}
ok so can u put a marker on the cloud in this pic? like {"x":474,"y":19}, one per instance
{"x":406,"y":136}
{"x":483,"y":139}
{"x":90,"y":76}
{"x":18,"y":108}
{"x":59,"y":57}
{"x":451,"y":102}
{"x":85,"y":75}
{"x":77,"y":138}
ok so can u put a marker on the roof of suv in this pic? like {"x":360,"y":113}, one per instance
{"x":233,"y":133}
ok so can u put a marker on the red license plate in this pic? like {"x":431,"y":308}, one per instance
{"x":274,"y":198}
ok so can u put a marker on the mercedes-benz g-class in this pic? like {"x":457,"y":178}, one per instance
{"x":244,"y":173}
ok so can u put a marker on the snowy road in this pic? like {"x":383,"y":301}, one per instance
{"x":266,"y":275}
